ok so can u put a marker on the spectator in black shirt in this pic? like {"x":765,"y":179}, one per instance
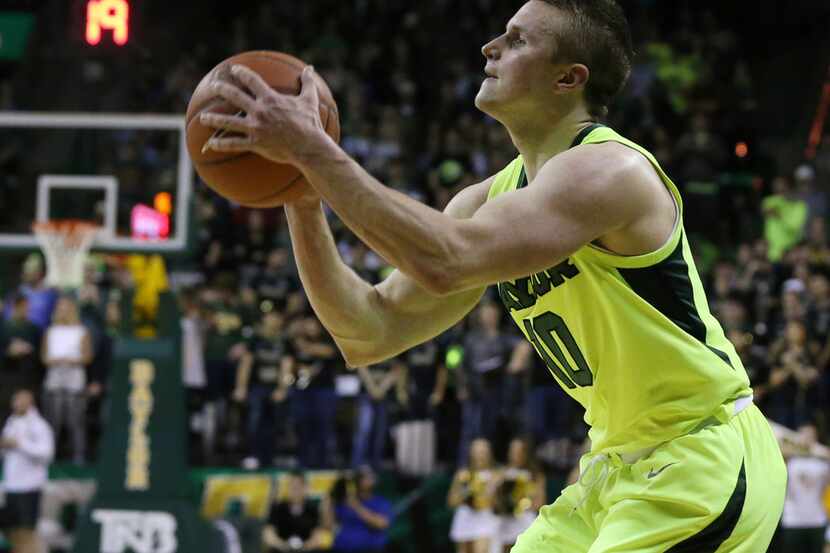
{"x":276,"y":280}
{"x":314,"y":400}
{"x":548,"y":415}
{"x":372,"y":412}
{"x":297,"y":523}
{"x":251,"y":249}
{"x":19,"y":342}
{"x":262,"y":379}
{"x":490,"y":354}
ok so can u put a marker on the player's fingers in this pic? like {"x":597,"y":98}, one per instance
{"x":233,"y":123}
{"x":229,"y":144}
{"x":235,"y":96}
{"x":309,"y":89}
{"x":252,"y":80}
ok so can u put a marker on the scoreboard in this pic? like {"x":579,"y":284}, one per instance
{"x":107,"y":20}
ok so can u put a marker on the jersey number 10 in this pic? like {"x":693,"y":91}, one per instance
{"x":541,"y":331}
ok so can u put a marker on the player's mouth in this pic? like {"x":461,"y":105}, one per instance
{"x":490,"y":73}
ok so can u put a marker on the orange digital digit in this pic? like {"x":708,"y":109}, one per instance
{"x":111,"y":15}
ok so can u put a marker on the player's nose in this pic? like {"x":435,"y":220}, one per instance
{"x":490,"y":50}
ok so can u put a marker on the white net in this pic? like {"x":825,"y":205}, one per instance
{"x":65,"y":245}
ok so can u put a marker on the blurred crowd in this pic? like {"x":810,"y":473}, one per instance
{"x":266,"y":385}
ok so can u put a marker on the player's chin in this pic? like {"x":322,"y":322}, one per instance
{"x":486,"y":101}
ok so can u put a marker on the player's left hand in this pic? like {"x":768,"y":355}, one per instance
{"x":281,"y":127}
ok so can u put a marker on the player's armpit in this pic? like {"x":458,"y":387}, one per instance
{"x":578,"y":197}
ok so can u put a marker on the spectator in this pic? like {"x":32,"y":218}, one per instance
{"x":700,"y":157}
{"x":474,"y":526}
{"x":193,"y":366}
{"x":33,"y":286}
{"x":810,"y":191}
{"x":817,"y":243}
{"x":489,"y":355}
{"x":252,"y":247}
{"x":19,"y":342}
{"x":314,"y":399}
{"x":818,"y":310}
{"x":521,"y":494}
{"x":785,"y":215}
{"x":224,"y":345}
{"x":372,"y":425}
{"x":804,"y":521}
{"x":363,"y":517}
{"x":297,"y":523}
{"x":791,"y":394}
{"x":27,"y":445}
{"x":753,"y":358}
{"x":262,"y":382}
{"x":66,"y":352}
{"x":548,"y":415}
{"x":425,"y":382}
{"x":276,"y":280}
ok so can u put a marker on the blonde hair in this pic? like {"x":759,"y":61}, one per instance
{"x":71,"y":317}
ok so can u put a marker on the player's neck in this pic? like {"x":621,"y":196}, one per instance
{"x":541,"y":138}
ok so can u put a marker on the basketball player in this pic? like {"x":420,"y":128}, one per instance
{"x":583,"y":234}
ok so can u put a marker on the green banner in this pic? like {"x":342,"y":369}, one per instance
{"x":141,"y":503}
{"x":14,"y":33}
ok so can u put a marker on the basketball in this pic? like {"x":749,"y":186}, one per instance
{"x":247,"y":178}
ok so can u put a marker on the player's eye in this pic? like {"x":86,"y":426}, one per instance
{"x":515,"y":41}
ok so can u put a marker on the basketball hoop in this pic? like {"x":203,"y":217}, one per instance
{"x":65,"y":244}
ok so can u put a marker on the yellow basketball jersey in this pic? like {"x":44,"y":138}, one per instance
{"x":631,"y":338}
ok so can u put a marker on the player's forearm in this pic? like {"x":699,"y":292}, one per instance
{"x":342,"y":300}
{"x":413,"y":237}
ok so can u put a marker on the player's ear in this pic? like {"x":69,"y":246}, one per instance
{"x":572,"y":77}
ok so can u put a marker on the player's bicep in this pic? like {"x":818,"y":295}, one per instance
{"x":529,"y":230}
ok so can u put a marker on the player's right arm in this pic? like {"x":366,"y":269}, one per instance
{"x":373,"y":323}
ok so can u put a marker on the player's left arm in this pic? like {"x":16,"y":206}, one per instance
{"x":578,"y":196}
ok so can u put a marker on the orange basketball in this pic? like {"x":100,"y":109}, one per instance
{"x":248,"y":178}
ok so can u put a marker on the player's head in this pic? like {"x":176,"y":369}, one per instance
{"x":556,"y":54}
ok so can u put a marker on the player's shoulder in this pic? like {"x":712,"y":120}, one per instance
{"x":466,"y":202}
{"x":602,"y":164}
{"x":608,"y":170}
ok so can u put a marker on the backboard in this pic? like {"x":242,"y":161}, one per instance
{"x":129,"y":174}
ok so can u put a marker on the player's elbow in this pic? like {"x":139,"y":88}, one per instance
{"x":361,"y":354}
{"x":438,"y":280}
{"x":444,"y":275}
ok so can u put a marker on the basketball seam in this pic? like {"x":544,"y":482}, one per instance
{"x":224,"y":159}
{"x":280,"y":191}
{"x":301,"y":66}
{"x":263,"y":55}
